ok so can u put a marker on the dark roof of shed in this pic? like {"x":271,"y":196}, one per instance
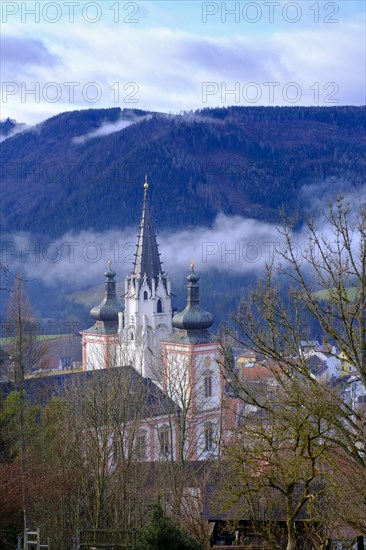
{"x":216,"y":505}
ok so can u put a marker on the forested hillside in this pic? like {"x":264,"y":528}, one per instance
{"x":246,"y":161}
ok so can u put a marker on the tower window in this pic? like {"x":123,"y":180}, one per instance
{"x":160,"y":306}
{"x":145,"y":296}
{"x":140,"y":446}
{"x":132,"y":337}
{"x":208,"y":438}
{"x":207,"y":385}
{"x":164,"y":441}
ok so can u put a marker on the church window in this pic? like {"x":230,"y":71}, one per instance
{"x":208,"y":437}
{"x":145,"y":296}
{"x":160,"y":306}
{"x":164,"y":441}
{"x":132,"y":337}
{"x":207,"y":385}
{"x":140,"y":446}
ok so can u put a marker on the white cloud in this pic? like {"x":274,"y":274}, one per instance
{"x":233,"y":244}
{"x":108,"y":128}
{"x":78,"y":260}
{"x":17,"y":129}
{"x":167,"y":67}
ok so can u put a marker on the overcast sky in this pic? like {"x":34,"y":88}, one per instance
{"x":179,"y":55}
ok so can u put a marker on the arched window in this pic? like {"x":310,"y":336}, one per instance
{"x":160,"y":306}
{"x":132,"y":337}
{"x":145,"y":296}
{"x":164,"y":441}
{"x":208,"y":442}
{"x":207,"y":383}
{"x":141,"y":445}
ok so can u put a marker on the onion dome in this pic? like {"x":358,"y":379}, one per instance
{"x":108,"y":309}
{"x":193,"y":318}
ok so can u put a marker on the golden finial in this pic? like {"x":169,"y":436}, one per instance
{"x":146,"y":185}
{"x":192,"y":265}
{"x":109,"y":263}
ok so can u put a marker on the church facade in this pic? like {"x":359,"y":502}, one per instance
{"x":176,"y":353}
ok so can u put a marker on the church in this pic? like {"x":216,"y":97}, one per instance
{"x":176,"y":353}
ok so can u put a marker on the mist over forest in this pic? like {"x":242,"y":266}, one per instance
{"x":219,"y":179}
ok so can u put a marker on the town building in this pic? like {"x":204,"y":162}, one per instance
{"x":177,"y":353}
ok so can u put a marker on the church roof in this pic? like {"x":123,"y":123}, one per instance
{"x":147,"y":257}
{"x":189,"y":336}
{"x":103,"y":328}
{"x":146,"y":398}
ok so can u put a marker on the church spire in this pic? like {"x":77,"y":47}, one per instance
{"x":147,"y":260}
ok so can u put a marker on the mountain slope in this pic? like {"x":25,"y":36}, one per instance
{"x":245,"y":161}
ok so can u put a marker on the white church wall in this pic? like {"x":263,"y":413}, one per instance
{"x":208,"y":439}
{"x":177,"y":377}
{"x":94,"y":355}
{"x":208,"y":380}
{"x":101,"y":351}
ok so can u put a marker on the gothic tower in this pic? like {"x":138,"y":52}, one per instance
{"x":147,"y":318}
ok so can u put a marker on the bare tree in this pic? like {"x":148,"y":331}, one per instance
{"x":278,"y":459}
{"x":84,"y":458}
{"x":326,"y":282}
{"x":193,"y":425}
{"x":337,"y":260}
{"x":25,"y":352}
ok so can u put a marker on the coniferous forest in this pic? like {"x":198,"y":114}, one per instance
{"x":246,"y":161}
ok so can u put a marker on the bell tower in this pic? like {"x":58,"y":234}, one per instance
{"x":192,"y":375}
{"x":147,"y":317}
{"x":100,"y":343}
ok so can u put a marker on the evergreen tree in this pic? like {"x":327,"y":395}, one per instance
{"x":162,"y":534}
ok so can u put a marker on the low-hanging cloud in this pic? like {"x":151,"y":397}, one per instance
{"x":107,"y":128}
{"x":17,"y":129}
{"x":233,"y":244}
{"x":317,"y":197}
{"x":77,"y":261}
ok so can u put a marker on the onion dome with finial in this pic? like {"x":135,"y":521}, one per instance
{"x":193,"y":322}
{"x":106,"y":313}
